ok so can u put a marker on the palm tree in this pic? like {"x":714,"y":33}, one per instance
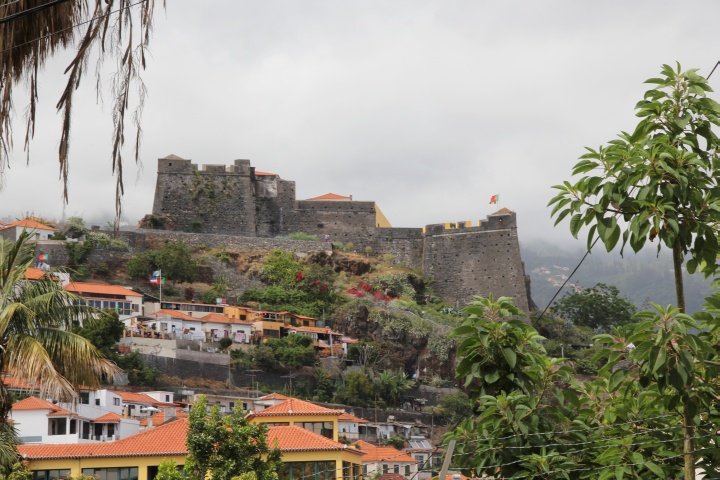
{"x":36,"y":341}
{"x":31,"y":31}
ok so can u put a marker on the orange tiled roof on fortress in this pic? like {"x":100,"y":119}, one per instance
{"x":297,"y":439}
{"x":99,"y":289}
{"x":332,"y":196}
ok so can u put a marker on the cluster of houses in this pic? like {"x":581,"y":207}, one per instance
{"x":119,"y":435}
{"x":148,"y":317}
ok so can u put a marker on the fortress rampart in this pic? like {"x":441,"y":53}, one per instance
{"x":237,"y":204}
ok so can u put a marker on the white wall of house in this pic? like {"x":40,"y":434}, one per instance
{"x":406,"y":469}
{"x":161,"y":396}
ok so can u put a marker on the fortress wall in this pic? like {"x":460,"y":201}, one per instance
{"x":275,"y":205}
{"x":144,"y":239}
{"x":476,"y":261}
{"x":343,"y":221}
{"x":405,"y":244}
{"x":209,"y":200}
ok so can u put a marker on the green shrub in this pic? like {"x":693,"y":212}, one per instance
{"x":388,"y":257}
{"x":225,"y":343}
{"x":302,"y":236}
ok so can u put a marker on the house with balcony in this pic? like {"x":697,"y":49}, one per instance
{"x":41,"y":421}
{"x":141,"y":405}
{"x":196,"y":310}
{"x":126,"y":302}
{"x":179,"y":325}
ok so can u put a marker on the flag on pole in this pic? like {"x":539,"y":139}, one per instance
{"x":157,"y":281}
{"x":494,"y":199}
{"x":157,"y":273}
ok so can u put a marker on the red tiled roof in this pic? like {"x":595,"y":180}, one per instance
{"x":381,"y":454}
{"x":132,"y":397}
{"x":332,"y":196}
{"x":35,"y":403}
{"x":17,"y":383}
{"x":111,"y":417}
{"x":29,"y":225}
{"x":174,"y":314}
{"x":297,"y":439}
{"x":265,"y":174}
{"x":346,"y":417}
{"x":274,"y":396}
{"x":220,"y":318}
{"x":99,"y":289}
{"x":293,"y":406}
{"x":33,"y":273}
{"x":168,"y":439}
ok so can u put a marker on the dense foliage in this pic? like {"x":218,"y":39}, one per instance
{"x":174,"y":259}
{"x":536,"y":420}
{"x":599,"y":307}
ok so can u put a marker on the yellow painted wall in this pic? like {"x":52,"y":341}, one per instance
{"x":338,"y":456}
{"x":381,"y":220}
{"x":76,"y":465}
{"x":293,"y":419}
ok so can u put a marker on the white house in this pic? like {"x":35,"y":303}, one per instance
{"x":126,"y":302}
{"x":38,"y":231}
{"x":41,"y":421}
{"x":349,"y":426}
{"x":210,"y":327}
{"x":384,"y":460}
{"x":143,"y":406}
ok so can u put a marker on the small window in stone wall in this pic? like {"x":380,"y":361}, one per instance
{"x":320,"y":225}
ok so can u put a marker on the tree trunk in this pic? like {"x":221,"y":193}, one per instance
{"x":677,"y":268}
{"x":688,"y":440}
{"x":688,"y":426}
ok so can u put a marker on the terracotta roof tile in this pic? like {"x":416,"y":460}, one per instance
{"x":274,"y":396}
{"x":132,"y":397}
{"x":17,"y":383}
{"x":502,"y":210}
{"x":315,"y":330}
{"x":265,"y":174}
{"x":168,"y":439}
{"x":293,"y":406}
{"x":34,"y":403}
{"x":33,"y":273}
{"x":220,"y":318}
{"x":297,"y":439}
{"x":332,"y":196}
{"x":29,"y":224}
{"x":381,"y":454}
{"x":174,"y":314}
{"x":111,"y":417}
{"x":346,"y":417}
{"x":82,"y":288}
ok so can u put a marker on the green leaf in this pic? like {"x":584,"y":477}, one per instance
{"x":575,"y":224}
{"x":510,"y":357}
{"x":655,"y":469}
{"x":660,"y":359}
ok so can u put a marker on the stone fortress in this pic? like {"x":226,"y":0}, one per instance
{"x":463,"y":259}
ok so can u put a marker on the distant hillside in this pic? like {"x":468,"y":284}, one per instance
{"x":642,"y":278}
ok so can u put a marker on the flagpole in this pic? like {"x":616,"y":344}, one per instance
{"x":160,"y":279}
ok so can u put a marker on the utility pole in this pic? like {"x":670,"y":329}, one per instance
{"x":447,"y":460}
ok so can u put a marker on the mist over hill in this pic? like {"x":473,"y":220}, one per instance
{"x":644,"y":277}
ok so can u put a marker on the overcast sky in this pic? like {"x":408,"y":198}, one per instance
{"x":427,"y":107}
